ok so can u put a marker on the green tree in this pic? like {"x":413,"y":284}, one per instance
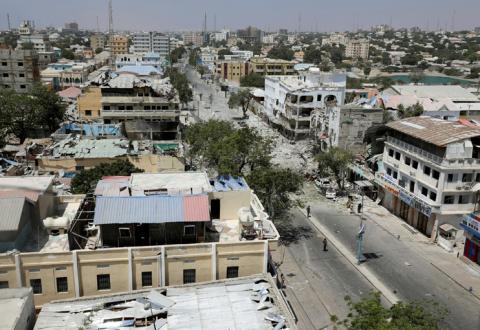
{"x":68,"y":54}
{"x":312,"y":55}
{"x":180,"y":83}
{"x":86,"y":180}
{"x":98,"y":50}
{"x":223,"y":52}
{"x":253,"y":80}
{"x":366,"y":70}
{"x":281,"y":52}
{"x":335,"y":161}
{"x":411,"y":111}
{"x":369,"y":313}
{"x":411,"y":59}
{"x":177,"y":54}
{"x":273,"y":185}
{"x":50,"y":105}
{"x":386,"y":59}
{"x":241,"y":99}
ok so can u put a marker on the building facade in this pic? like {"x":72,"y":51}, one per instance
{"x":430,"y":172}
{"x":193,"y":38}
{"x":18,"y":69}
{"x":271,"y":67}
{"x":118,"y":44}
{"x":98,"y":41}
{"x":290,"y":101}
{"x":151,"y":42}
{"x":357,"y":48}
{"x":471,"y":229}
{"x":232,"y":70}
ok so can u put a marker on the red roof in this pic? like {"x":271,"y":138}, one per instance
{"x":70,"y":92}
{"x":196,"y":208}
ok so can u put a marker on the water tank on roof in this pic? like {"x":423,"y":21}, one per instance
{"x":245,"y":217}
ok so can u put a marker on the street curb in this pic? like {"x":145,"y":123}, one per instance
{"x":454,"y":280}
{"x":362,"y":269}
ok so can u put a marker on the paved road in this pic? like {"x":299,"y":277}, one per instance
{"x":319,"y":280}
{"x":401,"y":267}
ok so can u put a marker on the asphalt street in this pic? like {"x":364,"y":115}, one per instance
{"x":402,"y":268}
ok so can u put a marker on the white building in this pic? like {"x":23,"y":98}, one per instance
{"x":222,"y":35}
{"x":239,"y":55}
{"x":448,"y":102}
{"x":151,"y":42}
{"x":335,"y":39}
{"x":291,"y":100}
{"x":208,"y":56}
{"x":431,"y":171}
{"x":357,"y":48}
{"x":147,"y":59}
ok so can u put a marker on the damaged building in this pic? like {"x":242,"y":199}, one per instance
{"x":149,"y":105}
{"x":291,"y":100}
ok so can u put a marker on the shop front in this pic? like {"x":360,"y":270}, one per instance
{"x":471,"y":226}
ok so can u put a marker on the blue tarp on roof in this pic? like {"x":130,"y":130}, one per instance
{"x":91,"y":129}
{"x":141,"y":70}
{"x":229,"y":183}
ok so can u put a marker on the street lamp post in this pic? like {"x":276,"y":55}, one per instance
{"x":360,"y":236}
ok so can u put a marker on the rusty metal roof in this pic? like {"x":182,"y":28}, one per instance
{"x":435,"y":131}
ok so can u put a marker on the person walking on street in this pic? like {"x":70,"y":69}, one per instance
{"x":325,"y":244}
{"x":308,"y":211}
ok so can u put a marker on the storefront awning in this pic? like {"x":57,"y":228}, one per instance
{"x":363,"y":183}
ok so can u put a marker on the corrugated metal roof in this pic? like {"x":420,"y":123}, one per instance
{"x":11,"y":213}
{"x":229,"y":183}
{"x":113,"y":186}
{"x":151,"y":209}
{"x":435,"y":131}
{"x":196,"y":208}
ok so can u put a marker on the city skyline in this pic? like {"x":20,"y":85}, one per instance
{"x":303,"y":15}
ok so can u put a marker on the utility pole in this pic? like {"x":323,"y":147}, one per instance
{"x":110,"y":32}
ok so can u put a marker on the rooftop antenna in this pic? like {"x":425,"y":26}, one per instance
{"x":453,"y":21}
{"x":8,"y":22}
{"x":299,"y":23}
{"x":205,"y":28}
{"x":214,"y":22}
{"x":110,"y":31}
{"x":98,"y":26}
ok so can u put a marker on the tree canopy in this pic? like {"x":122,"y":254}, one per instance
{"x":86,"y":180}
{"x":312,"y":55}
{"x":253,"y":80}
{"x":281,"y":52}
{"x":369,"y":313}
{"x":411,"y":111}
{"x":223,"y":52}
{"x":335,"y":161}
{"x":180,"y":83}
{"x":22,"y":114}
{"x":225,"y":150}
{"x":241,"y":99}
{"x":177,"y":54}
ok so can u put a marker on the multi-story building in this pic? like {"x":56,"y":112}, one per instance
{"x":70,"y":27}
{"x":208,"y":57}
{"x":431,"y":171}
{"x":151,"y":42}
{"x":118,"y":44}
{"x":231,"y":70}
{"x":244,"y":55}
{"x":250,"y":34}
{"x":193,"y":38}
{"x":290,"y":101}
{"x":357,"y":48}
{"x":146,"y":100}
{"x":18,"y":69}
{"x":98,"y":41}
{"x":26,"y":28}
{"x":335,"y":39}
{"x":271,"y":67}
{"x":64,"y":74}
{"x":146,"y":60}
{"x":471,"y":227}
{"x":344,"y":126}
{"x":160,"y":233}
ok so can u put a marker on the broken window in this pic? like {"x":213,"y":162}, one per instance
{"x":3,"y":284}
{"x":306,"y":98}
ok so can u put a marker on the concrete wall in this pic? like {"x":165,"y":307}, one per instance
{"x":231,"y":202}
{"x":125,"y":266}
{"x":148,"y":163}
{"x":90,"y":100}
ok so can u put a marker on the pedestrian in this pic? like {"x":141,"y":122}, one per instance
{"x":308,"y":211}
{"x":325,"y":244}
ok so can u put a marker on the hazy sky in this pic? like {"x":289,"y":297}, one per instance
{"x":320,"y":15}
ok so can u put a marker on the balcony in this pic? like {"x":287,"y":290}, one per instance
{"x":140,"y":113}
{"x":415,"y":151}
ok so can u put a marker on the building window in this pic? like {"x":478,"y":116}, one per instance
{"x":4,"y":63}
{"x":189,"y":230}
{"x":124,"y":232}
{"x":3,"y":284}
{"x":395,"y":174}
{"x":390,"y":152}
{"x":129,"y":107}
{"x":146,"y":107}
{"x":424,"y":191}
{"x":435,"y":174}
{"x":389,"y":171}
{"x":23,"y":86}
{"x":20,"y":63}
{"x":450,"y":177}
{"x":121,"y":107}
{"x":477,"y":177}
{"x":232,"y":271}
{"x":106,"y":107}
{"x":146,"y":279}
{"x":189,"y":276}
{"x":426,"y":170}
{"x":415,"y":164}
{"x":433,"y":196}
{"x":412,"y":186}
{"x":88,"y":112}
{"x":448,"y":199}
{"x":408,"y":161}
{"x":21,"y":75}
{"x":319,"y":97}
{"x":397,"y":155}
{"x":36,"y":285}
{"x":5,"y":75}
{"x":103,"y":282}
{"x":463,"y":199}
{"x":62,"y":284}
{"x":467,"y":177}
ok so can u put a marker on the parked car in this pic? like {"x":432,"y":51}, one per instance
{"x":330,"y":194}
{"x":322,"y":183}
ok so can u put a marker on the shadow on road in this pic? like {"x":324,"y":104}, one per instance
{"x":291,"y":233}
